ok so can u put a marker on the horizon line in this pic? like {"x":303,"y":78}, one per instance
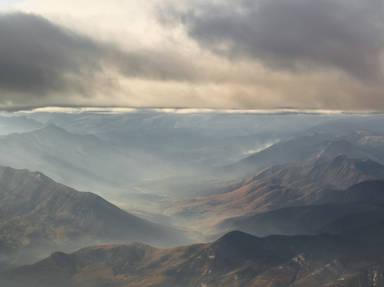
{"x":186,"y":110}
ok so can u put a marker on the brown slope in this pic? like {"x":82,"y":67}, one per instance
{"x":314,"y":219}
{"x":304,"y":147}
{"x":283,"y":186}
{"x":38,"y":214}
{"x":236,"y":259}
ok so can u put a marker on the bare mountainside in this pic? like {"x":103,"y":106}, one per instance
{"x":39,"y":215}
{"x":360,"y":206}
{"x":237,"y":259}
{"x":321,"y":142}
{"x":287,"y":185}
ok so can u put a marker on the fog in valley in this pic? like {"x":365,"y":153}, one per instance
{"x":191,"y":143}
{"x":120,"y":190}
{"x":140,"y":158}
{"x":145,"y":161}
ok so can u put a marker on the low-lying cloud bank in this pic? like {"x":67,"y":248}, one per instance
{"x":122,"y":110}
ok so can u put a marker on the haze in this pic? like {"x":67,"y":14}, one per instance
{"x":191,"y":143}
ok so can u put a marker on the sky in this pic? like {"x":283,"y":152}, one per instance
{"x":243,"y":54}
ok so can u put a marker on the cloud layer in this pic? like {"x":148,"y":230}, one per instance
{"x":325,"y":54}
{"x":39,"y":57}
{"x":343,"y":34}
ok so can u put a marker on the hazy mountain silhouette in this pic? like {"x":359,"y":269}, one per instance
{"x":39,"y":215}
{"x":316,"y":181}
{"x":80,"y":160}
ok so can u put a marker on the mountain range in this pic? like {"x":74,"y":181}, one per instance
{"x":39,"y":215}
{"x":83,"y":161}
{"x":236,"y":259}
{"x":314,"y":181}
{"x":312,"y":145}
{"x":311,"y":204}
{"x":360,"y":206}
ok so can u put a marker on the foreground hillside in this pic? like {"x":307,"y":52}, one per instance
{"x":39,"y":215}
{"x":237,"y":259}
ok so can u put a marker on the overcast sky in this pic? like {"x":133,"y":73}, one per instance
{"x":320,"y":54}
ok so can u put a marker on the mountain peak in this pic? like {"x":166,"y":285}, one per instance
{"x":40,"y":207}
{"x":54,"y":128}
{"x":339,"y":148}
{"x":343,"y":167}
{"x":236,"y":238}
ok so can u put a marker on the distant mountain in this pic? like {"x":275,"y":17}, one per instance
{"x":17,"y":124}
{"x":311,"y":146}
{"x":164,"y":152}
{"x":237,"y":259}
{"x":350,"y":124}
{"x":316,"y":181}
{"x":339,"y":172}
{"x":196,"y":138}
{"x":82,"y":161}
{"x":38,"y":215}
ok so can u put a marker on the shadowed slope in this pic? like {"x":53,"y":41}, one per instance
{"x":237,"y":259}
{"x":39,"y":214}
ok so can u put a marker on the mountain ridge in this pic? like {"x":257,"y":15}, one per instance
{"x":310,"y":182}
{"x":43,"y":214}
{"x":236,"y":259}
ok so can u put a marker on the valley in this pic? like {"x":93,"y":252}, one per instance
{"x":90,"y":200}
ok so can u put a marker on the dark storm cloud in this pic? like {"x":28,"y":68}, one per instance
{"x":345,"y":34}
{"x":38,"y":57}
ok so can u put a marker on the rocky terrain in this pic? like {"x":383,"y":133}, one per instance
{"x":237,"y":259}
{"x":39,"y":215}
